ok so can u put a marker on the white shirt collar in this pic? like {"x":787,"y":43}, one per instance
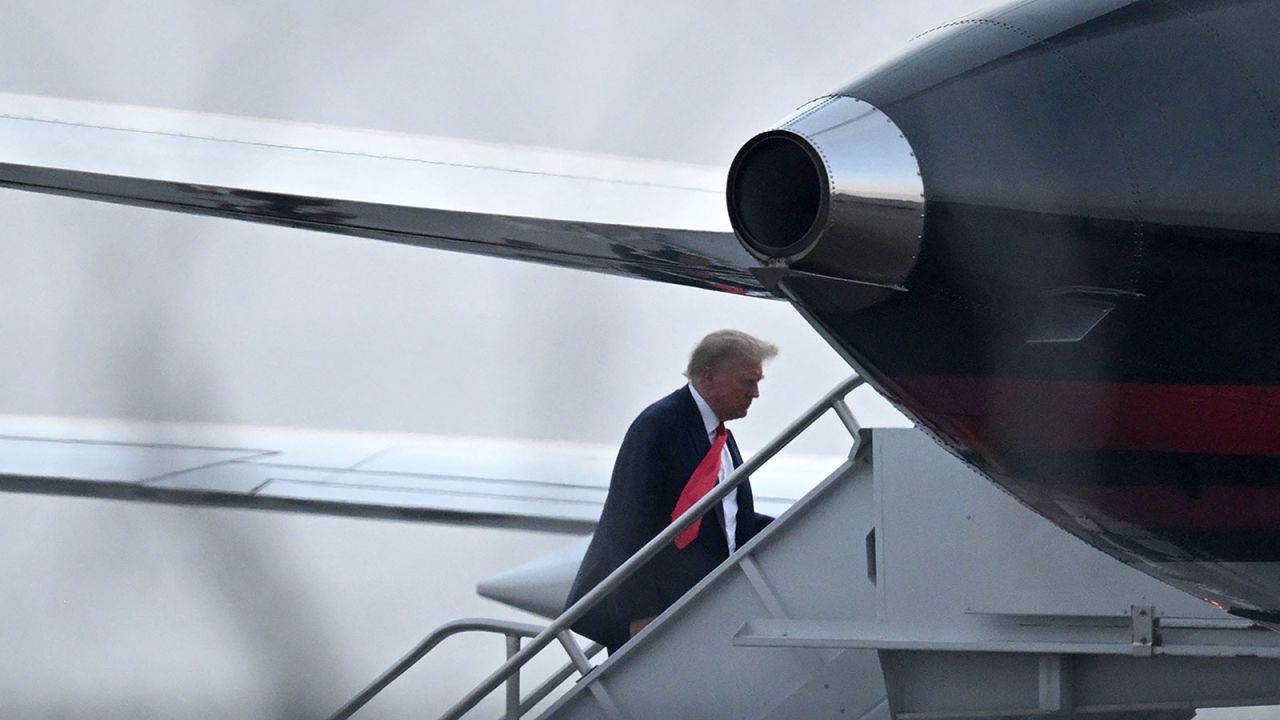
{"x":709,"y":419}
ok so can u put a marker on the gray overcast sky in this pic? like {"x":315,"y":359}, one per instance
{"x":139,"y":314}
{"x":116,"y":311}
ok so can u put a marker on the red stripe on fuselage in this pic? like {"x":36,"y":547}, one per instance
{"x":1027,"y":414}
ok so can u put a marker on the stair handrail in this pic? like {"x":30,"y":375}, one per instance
{"x":512,"y":631}
{"x":834,"y":399}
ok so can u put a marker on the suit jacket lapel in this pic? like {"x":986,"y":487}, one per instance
{"x":697,"y":431}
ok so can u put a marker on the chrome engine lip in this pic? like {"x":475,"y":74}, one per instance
{"x":759,"y":249}
{"x":868,"y":217}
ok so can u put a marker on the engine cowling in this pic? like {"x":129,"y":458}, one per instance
{"x":833,"y":190}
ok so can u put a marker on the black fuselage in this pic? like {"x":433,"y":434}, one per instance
{"x":1091,"y":320}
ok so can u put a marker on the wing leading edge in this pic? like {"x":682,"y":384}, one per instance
{"x":645,"y":219}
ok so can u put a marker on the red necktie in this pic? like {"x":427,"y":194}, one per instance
{"x":704,"y":478}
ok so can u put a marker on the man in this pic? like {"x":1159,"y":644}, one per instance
{"x":655,"y":472}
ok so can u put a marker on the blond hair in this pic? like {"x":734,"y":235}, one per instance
{"x":724,"y":345}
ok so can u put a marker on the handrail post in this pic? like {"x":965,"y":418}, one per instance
{"x":846,"y":416}
{"x":513,"y":682}
{"x":553,"y":682}
{"x":629,"y":567}
{"x":576,"y":656}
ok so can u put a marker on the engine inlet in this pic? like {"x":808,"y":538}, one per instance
{"x":834,"y":190}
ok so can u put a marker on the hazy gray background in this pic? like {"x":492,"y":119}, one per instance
{"x":117,"y":610}
{"x":164,"y":316}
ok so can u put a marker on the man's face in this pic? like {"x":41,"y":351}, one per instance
{"x":730,"y":387}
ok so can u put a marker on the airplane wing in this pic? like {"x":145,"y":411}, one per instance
{"x":476,"y":481}
{"x":652,"y":220}
{"x":658,"y":221}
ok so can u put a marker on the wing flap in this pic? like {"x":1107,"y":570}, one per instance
{"x":477,"y":481}
{"x":497,"y":482}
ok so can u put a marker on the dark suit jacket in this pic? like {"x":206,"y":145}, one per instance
{"x":659,"y":453}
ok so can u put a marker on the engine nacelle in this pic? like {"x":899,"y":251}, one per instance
{"x":834,"y":190}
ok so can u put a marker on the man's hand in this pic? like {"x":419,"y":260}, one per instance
{"x":638,"y":625}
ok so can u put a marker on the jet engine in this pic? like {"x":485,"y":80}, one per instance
{"x":835,"y":191}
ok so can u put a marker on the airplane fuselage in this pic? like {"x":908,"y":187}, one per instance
{"x":1088,"y":317}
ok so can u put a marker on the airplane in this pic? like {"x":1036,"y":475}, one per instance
{"x":1057,"y":365}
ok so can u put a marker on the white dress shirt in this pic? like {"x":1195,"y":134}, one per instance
{"x":730,"y":502}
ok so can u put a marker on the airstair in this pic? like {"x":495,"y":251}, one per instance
{"x":904,"y":586}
